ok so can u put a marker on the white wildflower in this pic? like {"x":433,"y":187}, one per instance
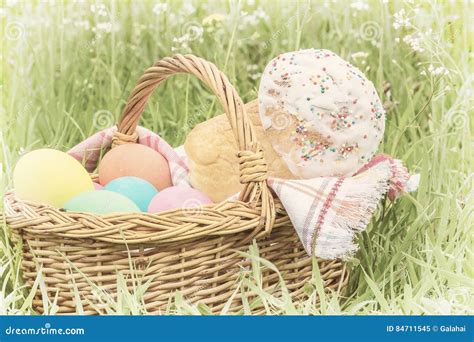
{"x":176,"y":19}
{"x":261,"y":14}
{"x":180,"y":40}
{"x":105,"y":27}
{"x":84,"y":24}
{"x":360,"y":5}
{"x":160,"y":8}
{"x":401,"y":20}
{"x":254,"y":18}
{"x":359,"y":55}
{"x":181,"y":44}
{"x":188,"y":8}
{"x":256,"y":76}
{"x":415,"y":41}
{"x":253,"y":71}
{"x":100,"y":9}
{"x":437,"y":71}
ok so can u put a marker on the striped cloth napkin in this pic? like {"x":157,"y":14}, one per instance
{"x":326,"y":212}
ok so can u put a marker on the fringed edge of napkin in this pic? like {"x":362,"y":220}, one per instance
{"x":347,"y":211}
{"x":398,"y":178}
{"x":328,"y":212}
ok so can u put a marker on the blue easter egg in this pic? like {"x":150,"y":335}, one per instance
{"x":101,"y":202}
{"x":136,"y":189}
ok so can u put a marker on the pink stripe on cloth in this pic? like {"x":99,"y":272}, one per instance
{"x":323,"y":212}
{"x":312,"y":210}
{"x":88,"y":151}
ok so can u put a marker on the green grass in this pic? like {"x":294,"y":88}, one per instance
{"x":62,"y":81}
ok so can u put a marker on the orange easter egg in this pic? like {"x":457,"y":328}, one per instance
{"x":138,"y":161}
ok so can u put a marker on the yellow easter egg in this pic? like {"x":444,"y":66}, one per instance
{"x":49,"y":176}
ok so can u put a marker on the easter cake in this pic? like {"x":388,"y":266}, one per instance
{"x":320,"y":113}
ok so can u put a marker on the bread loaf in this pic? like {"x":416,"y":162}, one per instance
{"x":212,"y":156}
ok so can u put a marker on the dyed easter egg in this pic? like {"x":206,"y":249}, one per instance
{"x":177,"y":197}
{"x":138,"y":190}
{"x":101,"y":202}
{"x":138,"y":161}
{"x":49,"y":176}
{"x":97,"y":186}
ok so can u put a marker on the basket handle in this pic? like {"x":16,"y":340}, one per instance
{"x":253,"y":168}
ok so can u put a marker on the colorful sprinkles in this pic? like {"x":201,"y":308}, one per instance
{"x":339,"y":118}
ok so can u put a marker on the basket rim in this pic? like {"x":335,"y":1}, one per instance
{"x":211,"y":220}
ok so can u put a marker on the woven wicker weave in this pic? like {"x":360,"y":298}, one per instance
{"x":196,"y":253}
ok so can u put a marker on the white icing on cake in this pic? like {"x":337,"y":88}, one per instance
{"x":321,"y":114}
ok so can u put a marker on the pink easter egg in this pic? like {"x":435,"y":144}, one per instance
{"x":177,"y":197}
{"x":97,"y":186}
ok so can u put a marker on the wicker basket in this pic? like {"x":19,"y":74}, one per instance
{"x":198,"y":255}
